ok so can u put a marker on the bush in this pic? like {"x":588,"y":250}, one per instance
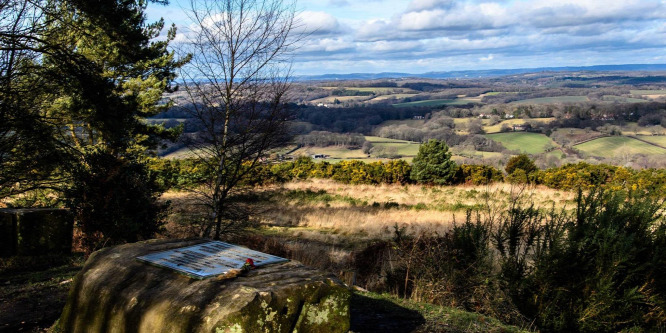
{"x":522,"y":162}
{"x":602,"y":270}
{"x":599,"y":268}
{"x":477,"y":174}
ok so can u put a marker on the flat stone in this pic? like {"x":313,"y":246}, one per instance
{"x":117,"y":293}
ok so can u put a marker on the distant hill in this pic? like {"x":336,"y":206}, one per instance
{"x":483,"y":73}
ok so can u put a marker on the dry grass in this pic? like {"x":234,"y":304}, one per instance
{"x":418,"y":207}
{"x":331,"y":212}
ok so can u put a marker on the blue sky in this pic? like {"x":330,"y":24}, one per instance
{"x":417,"y":36}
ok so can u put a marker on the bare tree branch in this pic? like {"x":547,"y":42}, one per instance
{"x":237,"y":82}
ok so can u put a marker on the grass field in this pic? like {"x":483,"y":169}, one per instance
{"x":618,"y":145}
{"x":333,"y":151}
{"x":331,"y":99}
{"x":497,"y":127}
{"x":407,"y":149}
{"x":530,"y":143}
{"x":620,"y":99}
{"x":659,"y":140}
{"x":344,"y":211}
{"x":458,"y":155}
{"x":404,"y":149}
{"x":552,"y":100}
{"x":380,"y":139}
{"x":377,"y":90}
{"x":648,"y":92}
{"x":436,"y":102}
{"x":391,"y":96}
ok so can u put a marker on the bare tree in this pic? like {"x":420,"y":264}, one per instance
{"x":236,"y":81}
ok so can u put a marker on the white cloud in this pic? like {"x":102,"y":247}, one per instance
{"x":488,"y":58}
{"x":318,"y":23}
{"x":418,"y":5}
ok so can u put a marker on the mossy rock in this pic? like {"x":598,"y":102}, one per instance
{"x":116,"y":293}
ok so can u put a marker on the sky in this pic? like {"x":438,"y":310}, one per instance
{"x":419,"y":36}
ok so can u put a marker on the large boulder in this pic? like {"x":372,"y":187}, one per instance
{"x":117,"y":293}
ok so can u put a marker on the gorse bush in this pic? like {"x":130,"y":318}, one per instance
{"x":600,"y":268}
{"x":188,"y":172}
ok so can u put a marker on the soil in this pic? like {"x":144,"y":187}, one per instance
{"x":32,"y":298}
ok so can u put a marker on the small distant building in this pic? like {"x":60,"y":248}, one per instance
{"x":519,"y":128}
{"x":319,"y":156}
{"x":418,"y":117}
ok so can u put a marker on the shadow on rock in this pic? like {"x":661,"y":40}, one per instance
{"x":376,"y":315}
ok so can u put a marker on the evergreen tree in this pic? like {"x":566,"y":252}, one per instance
{"x":111,"y":77}
{"x":84,"y":74}
{"x":433,"y":164}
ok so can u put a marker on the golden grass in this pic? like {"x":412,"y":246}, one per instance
{"x":348,"y":214}
{"x":439,"y":206}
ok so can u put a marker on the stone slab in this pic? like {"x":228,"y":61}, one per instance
{"x":209,"y":259}
{"x":116,"y":293}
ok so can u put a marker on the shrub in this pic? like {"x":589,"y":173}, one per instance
{"x":477,"y":174}
{"x":521,"y":161}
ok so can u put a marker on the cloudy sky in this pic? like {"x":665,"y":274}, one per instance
{"x":417,"y":36}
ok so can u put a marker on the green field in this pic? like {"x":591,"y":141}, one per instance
{"x":391,"y":96}
{"x":524,"y":142}
{"x":648,"y":92}
{"x":552,"y":100}
{"x":620,"y":99}
{"x":658,"y":140}
{"x":331,"y":99}
{"x":374,"y":139}
{"x":617,"y":145}
{"x":332,"y":151}
{"x":404,"y":149}
{"x":436,"y":102}
{"x":510,"y":122}
{"x":476,"y":153}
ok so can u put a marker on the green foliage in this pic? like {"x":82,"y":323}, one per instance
{"x":433,"y":164}
{"x":599,"y":268}
{"x":94,"y":72}
{"x":477,"y":174}
{"x":114,"y":200}
{"x":522,"y":162}
{"x":602,"y":269}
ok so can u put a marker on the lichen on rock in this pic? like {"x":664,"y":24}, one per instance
{"x":116,"y":293}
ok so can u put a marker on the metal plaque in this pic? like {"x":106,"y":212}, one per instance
{"x":208,"y":259}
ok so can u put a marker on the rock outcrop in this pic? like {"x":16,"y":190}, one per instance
{"x":116,"y":293}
